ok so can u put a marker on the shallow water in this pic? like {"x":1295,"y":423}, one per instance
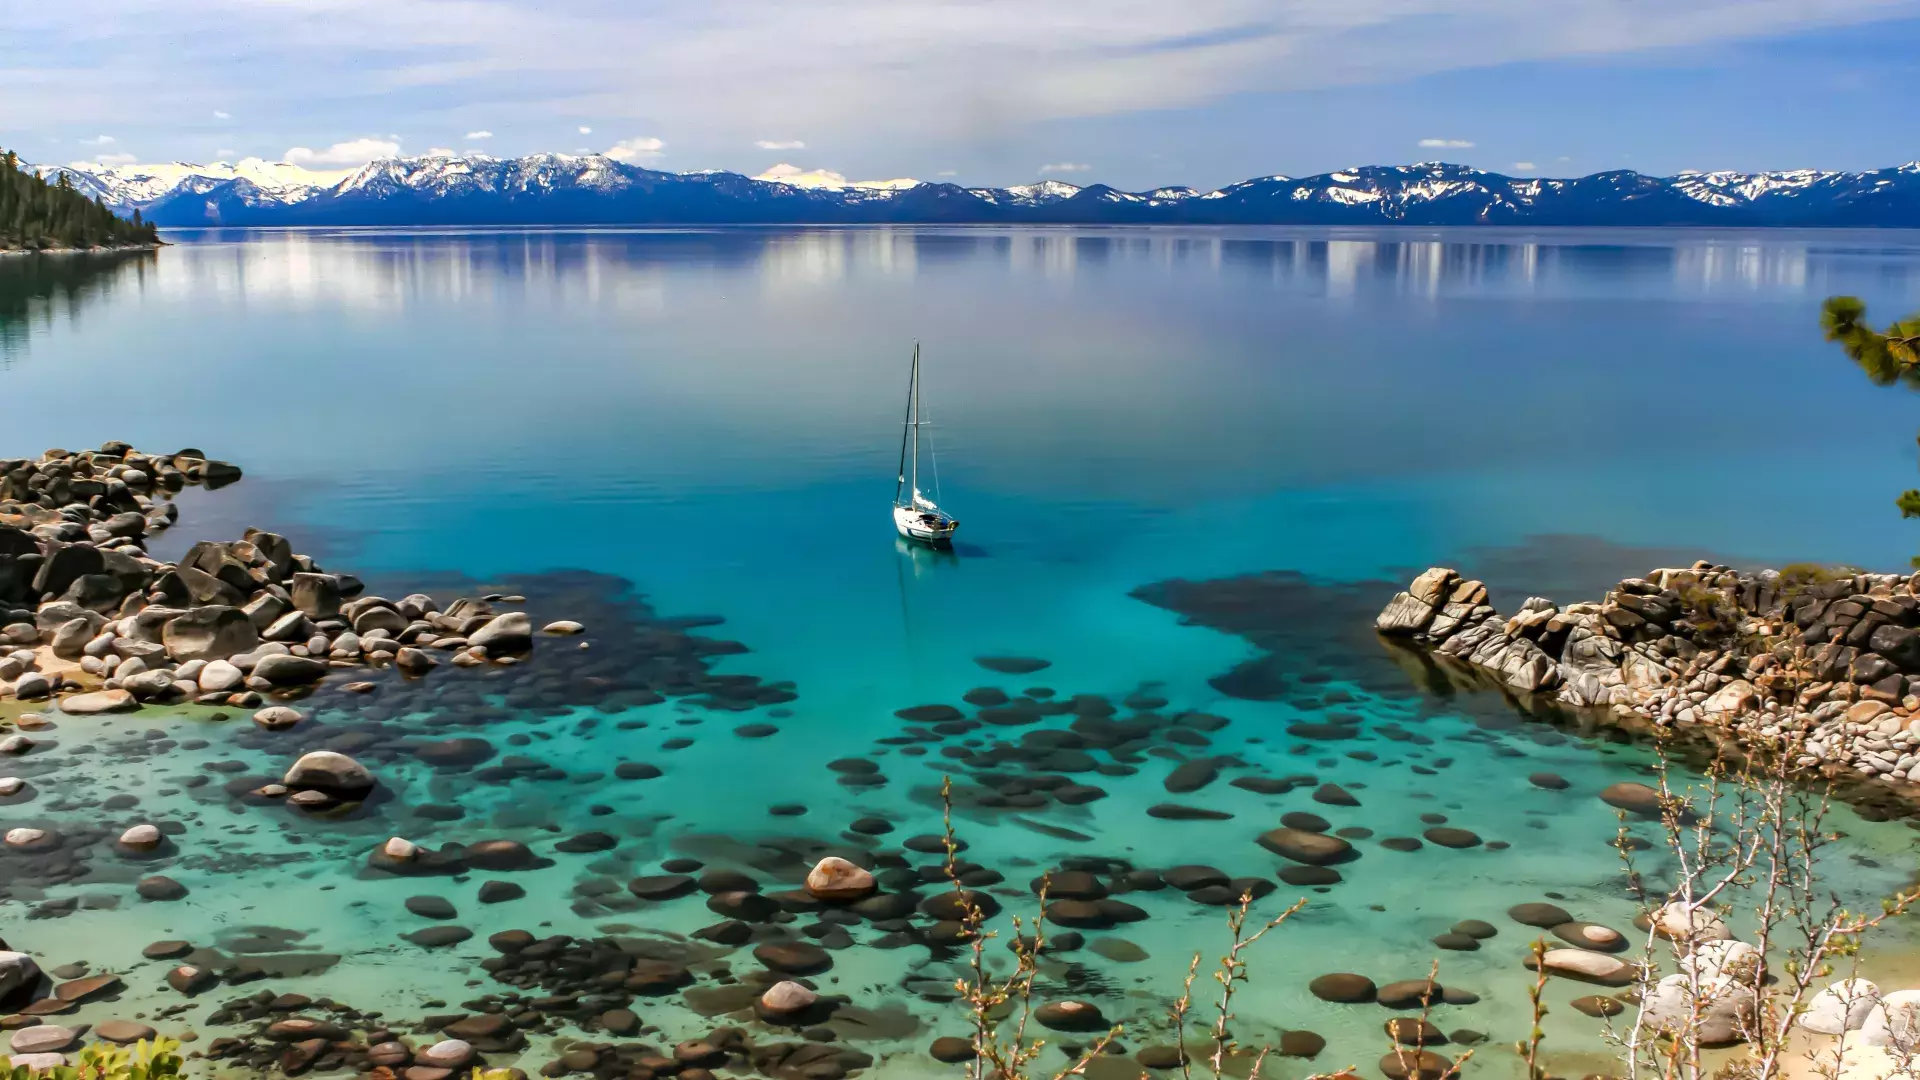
{"x":712,"y":417}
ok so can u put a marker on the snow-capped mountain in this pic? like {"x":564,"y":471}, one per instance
{"x":564,"y":189}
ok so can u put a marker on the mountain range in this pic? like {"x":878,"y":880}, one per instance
{"x":562,"y":189}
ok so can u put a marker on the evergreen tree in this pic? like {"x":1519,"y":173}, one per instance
{"x":1889,"y":357}
{"x":36,"y":215}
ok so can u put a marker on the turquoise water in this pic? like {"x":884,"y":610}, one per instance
{"x":713,"y":418}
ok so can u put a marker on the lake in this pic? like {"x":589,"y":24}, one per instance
{"x":1150,"y":437}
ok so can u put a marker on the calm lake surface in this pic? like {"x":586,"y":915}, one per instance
{"x":714,"y":418}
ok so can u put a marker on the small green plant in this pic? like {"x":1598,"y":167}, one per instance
{"x":158,"y":1059}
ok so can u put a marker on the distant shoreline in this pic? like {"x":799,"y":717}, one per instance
{"x":106,"y":249}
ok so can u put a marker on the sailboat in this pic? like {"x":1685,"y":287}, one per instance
{"x":916,"y":516}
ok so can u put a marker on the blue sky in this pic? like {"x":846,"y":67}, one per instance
{"x":1128,"y":92}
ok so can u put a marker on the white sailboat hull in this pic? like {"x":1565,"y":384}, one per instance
{"x":914,"y":525}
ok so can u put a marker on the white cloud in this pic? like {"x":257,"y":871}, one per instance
{"x":584,"y":130}
{"x":870,"y":69}
{"x":219,"y":114}
{"x":108,"y":159}
{"x":98,"y":140}
{"x":1064,"y":166}
{"x":778,"y":144}
{"x":1524,"y":166}
{"x":632,"y":149}
{"x":1445,"y":144}
{"x":225,"y":153}
{"x":947,"y":172}
{"x":354,"y":152}
{"x":478,"y":135}
{"x":440,"y":151}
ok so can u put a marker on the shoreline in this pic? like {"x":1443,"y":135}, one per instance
{"x":112,"y":249}
{"x":1811,"y":658}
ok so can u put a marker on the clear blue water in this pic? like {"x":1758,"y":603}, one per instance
{"x":714,"y":417}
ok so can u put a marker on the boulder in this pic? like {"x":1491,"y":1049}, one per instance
{"x":1435,"y":586}
{"x":563,"y":627}
{"x":209,"y":633}
{"x":1317,"y":849}
{"x":100,"y":701}
{"x":1724,"y":1006}
{"x":834,"y":878}
{"x":414,"y":661}
{"x":1731,"y":700}
{"x":1714,"y":958}
{"x":1587,"y":966}
{"x":204,"y":588}
{"x":1894,"y":1022}
{"x":70,"y":638}
{"x":63,"y":564}
{"x":220,"y":677}
{"x":289,"y":670}
{"x":43,"y":1039}
{"x":32,"y":686}
{"x":375,"y":617}
{"x":141,"y":838}
{"x":445,"y":1054}
{"x":317,"y":596}
{"x":278,"y":717}
{"x":1841,"y":1006}
{"x":1677,"y":922}
{"x":786,"y":998}
{"x":292,"y":626}
{"x":16,"y":970}
{"x":1404,"y":615}
{"x":329,"y":771}
{"x":509,"y":633}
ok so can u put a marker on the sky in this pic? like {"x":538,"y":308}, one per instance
{"x":1134,"y":93}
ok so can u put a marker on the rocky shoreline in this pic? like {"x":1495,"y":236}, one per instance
{"x":93,"y":623}
{"x":1829,"y":659}
{"x":104,"y":249}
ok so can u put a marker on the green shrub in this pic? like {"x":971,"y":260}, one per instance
{"x":155,"y":1060}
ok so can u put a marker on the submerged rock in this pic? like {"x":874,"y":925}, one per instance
{"x":329,"y":771}
{"x":834,"y":878}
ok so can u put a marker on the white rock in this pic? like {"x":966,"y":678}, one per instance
{"x":834,"y":878}
{"x":24,"y":837}
{"x":1589,"y":965}
{"x":400,"y":848}
{"x":1724,"y":1007}
{"x":278,"y":717}
{"x":1676,"y":922}
{"x":787,"y":997}
{"x":141,"y":838}
{"x":445,"y":1054}
{"x":10,"y":786}
{"x":219,"y":677}
{"x":15,"y":744}
{"x":1841,"y":1007}
{"x":38,"y":1061}
{"x":566,"y":626}
{"x":1894,"y":1022}
{"x":1712,"y":959}
{"x":329,"y":770}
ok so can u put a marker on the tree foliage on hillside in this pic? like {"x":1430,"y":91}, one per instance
{"x":36,"y":214}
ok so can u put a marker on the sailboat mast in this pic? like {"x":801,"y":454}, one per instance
{"x":905,"y":434}
{"x":916,"y":425}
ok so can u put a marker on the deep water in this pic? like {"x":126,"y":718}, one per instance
{"x":1189,"y":466}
